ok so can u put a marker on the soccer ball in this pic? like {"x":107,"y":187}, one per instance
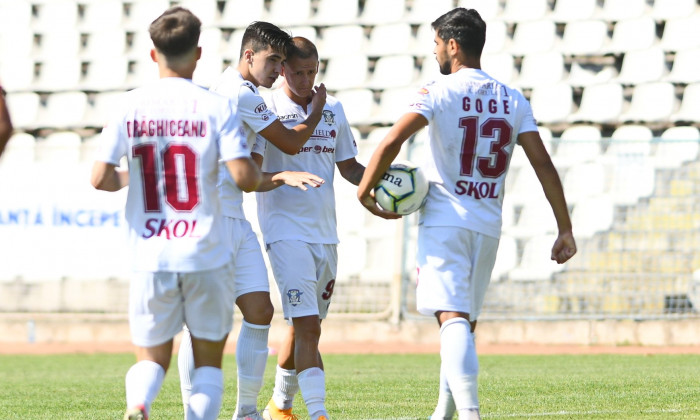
{"x":402,"y":189}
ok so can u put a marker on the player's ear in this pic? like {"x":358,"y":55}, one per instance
{"x":154,"y":55}
{"x":248,"y":56}
{"x":198,"y":54}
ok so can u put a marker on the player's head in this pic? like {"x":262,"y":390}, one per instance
{"x":175,"y":35}
{"x":466,"y":28}
{"x":300,"y":69}
{"x":263,"y":49}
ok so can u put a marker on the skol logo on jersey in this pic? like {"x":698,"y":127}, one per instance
{"x":294,"y":296}
{"x":170,"y":229}
{"x":328,"y":116}
{"x":477,"y":189}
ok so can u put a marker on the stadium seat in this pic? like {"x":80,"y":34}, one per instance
{"x":206,"y":10}
{"x":630,"y":181}
{"x":393,"y":103}
{"x":142,"y":12}
{"x":651,"y":103}
{"x":377,"y":12}
{"x":358,"y":104}
{"x":588,"y":74}
{"x":552,"y":104}
{"x":59,"y":147}
{"x":429,"y":69}
{"x":497,"y":38}
{"x":24,"y":109}
{"x":584,"y":38}
{"x":519,"y":158}
{"x":65,"y":110}
{"x":106,"y":73}
{"x":600,"y":104}
{"x":290,"y":12}
{"x":139,"y":45}
{"x":533,"y":37}
{"x":232,"y":47}
{"x":105,"y":43}
{"x":676,"y":146}
{"x":632,"y":34}
{"x":341,"y":40}
{"x":583,"y":181}
{"x":241,"y":13}
{"x":393,"y":71}
{"x":566,"y":11}
{"x":333,"y":12}
{"x":524,"y":10}
{"x":489,"y":10}
{"x":616,"y":10}
{"x":367,"y":146}
{"x":208,"y":70}
{"x":578,"y":144}
{"x":17,"y":74}
{"x":596,"y":214}
{"x":500,"y":66}
{"x":212,"y":42}
{"x":306,"y":31}
{"x":506,"y":257}
{"x":62,"y":42}
{"x":102,"y":16}
{"x":525,"y":187}
{"x":389,"y":39}
{"x":16,"y":44}
{"x":346,"y":72}
{"x":352,"y":249}
{"x":59,"y":74}
{"x":681,"y":33}
{"x":541,"y":68}
{"x":672,"y":9}
{"x":423,"y":42}
{"x":19,"y":151}
{"x":420,"y":9}
{"x":536,"y":217}
{"x":690,"y":103}
{"x":629,"y":142}
{"x":535,"y":263}
{"x":141,"y":72}
{"x":104,"y":107}
{"x":686,"y":67}
{"x":48,"y":13}
{"x":15,"y":15}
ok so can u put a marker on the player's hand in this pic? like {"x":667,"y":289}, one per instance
{"x":301,"y":179}
{"x":318,"y":100}
{"x":564,"y":247}
{"x":371,"y":204}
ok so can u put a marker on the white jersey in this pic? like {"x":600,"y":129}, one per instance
{"x":288,"y":212}
{"x":474,"y":122}
{"x":174,"y":133}
{"x":255,"y":115}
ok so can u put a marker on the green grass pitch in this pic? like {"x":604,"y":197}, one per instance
{"x":91,"y":386}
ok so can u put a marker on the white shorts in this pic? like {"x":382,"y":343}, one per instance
{"x":161,"y":302}
{"x":249,"y":272}
{"x":454,"y":269}
{"x":305,"y":275}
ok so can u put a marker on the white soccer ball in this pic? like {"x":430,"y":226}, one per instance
{"x":402,"y":189}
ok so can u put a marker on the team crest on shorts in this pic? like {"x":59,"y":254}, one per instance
{"x":328,"y":116}
{"x":294,"y":296}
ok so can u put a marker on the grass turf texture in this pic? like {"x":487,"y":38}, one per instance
{"x":380,"y":387}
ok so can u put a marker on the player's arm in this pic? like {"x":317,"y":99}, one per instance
{"x":351,"y":169}
{"x":565,"y":245}
{"x":5,"y":123}
{"x":290,"y":140}
{"x":245,"y":173}
{"x":107,"y":177}
{"x":272,"y":180}
{"x":382,"y":157}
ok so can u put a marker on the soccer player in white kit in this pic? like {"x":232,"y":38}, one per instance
{"x":474,"y":123}
{"x":263,"y":49}
{"x":173,"y":134}
{"x":299,"y":224}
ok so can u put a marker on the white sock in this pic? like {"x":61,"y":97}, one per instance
{"x":445,"y":408}
{"x":286,"y":387}
{"x":460,"y":364}
{"x":143,"y":382}
{"x":207,"y":393}
{"x":185,"y":366}
{"x":251,"y":359}
{"x":312,"y":383}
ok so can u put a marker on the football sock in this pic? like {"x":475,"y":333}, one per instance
{"x":312,"y":383}
{"x":460,"y":364}
{"x":445,"y":408}
{"x":185,"y":366}
{"x":286,"y":386}
{"x":251,"y":359}
{"x":207,"y":393}
{"x":143,"y":382}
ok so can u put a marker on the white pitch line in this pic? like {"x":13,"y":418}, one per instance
{"x":578,"y":413}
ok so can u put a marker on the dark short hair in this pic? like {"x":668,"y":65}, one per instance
{"x":465,"y":26}
{"x":175,"y":32}
{"x":302,"y":48}
{"x":261,"y":35}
